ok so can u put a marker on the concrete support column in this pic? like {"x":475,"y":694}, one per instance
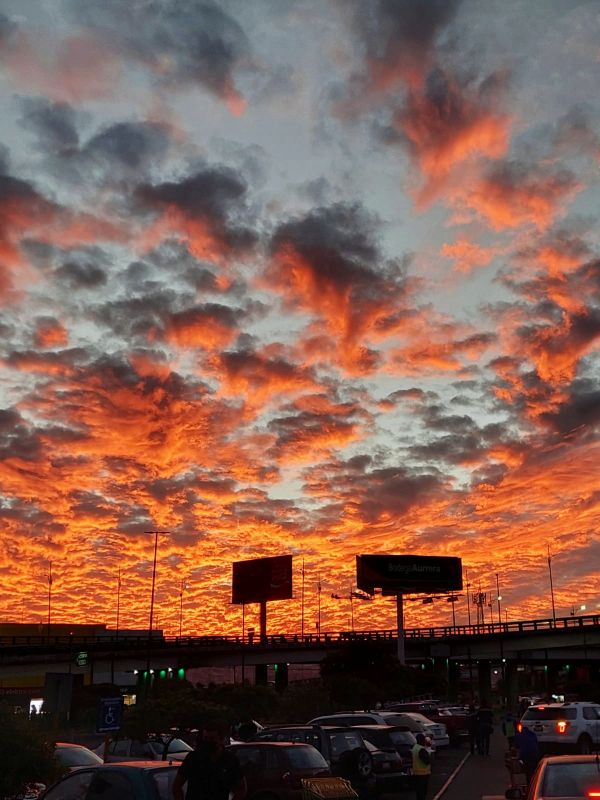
{"x":511,"y":684}
{"x":261,"y":674}
{"x":281,"y":676}
{"x":484,"y":674}
{"x":453,"y":679}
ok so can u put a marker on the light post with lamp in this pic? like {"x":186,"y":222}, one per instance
{"x":49,"y":598}
{"x":156,"y":534}
{"x":498,"y":598}
{"x":551,"y":585}
{"x":182,"y":588}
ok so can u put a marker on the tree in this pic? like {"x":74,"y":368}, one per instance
{"x":26,"y":754}
{"x":370,"y":669}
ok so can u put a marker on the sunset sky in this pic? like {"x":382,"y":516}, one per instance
{"x":309,"y":277}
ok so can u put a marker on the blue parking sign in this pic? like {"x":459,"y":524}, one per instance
{"x":109,"y":715}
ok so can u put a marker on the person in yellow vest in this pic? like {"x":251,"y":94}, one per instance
{"x":421,"y":767}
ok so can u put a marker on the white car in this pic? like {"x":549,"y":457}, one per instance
{"x":564,"y":726}
{"x":402,"y":718}
{"x":435,"y":730}
{"x":150,"y":750}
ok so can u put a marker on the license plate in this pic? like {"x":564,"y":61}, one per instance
{"x":538,"y":728}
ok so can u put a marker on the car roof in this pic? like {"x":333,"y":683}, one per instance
{"x":267,"y":743}
{"x":570,"y":759}
{"x":380,"y":726}
{"x":70,"y":744}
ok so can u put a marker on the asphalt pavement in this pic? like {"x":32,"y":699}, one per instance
{"x":479,"y":777}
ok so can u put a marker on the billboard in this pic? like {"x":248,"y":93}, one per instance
{"x":405,"y":574}
{"x":262,"y":579}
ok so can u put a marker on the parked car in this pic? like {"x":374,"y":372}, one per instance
{"x":75,"y":756}
{"x":391,"y":737}
{"x":566,"y":776}
{"x":139,"y":781}
{"x":388,"y":770}
{"x":158,"y":748}
{"x":564,"y":727}
{"x":435,"y":730}
{"x":343,"y":748}
{"x":376,"y":718}
{"x":454,"y":718}
{"x":276,"y":769}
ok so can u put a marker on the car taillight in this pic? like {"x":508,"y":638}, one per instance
{"x":519,"y":727}
{"x":561,"y":726}
{"x":593,"y":793}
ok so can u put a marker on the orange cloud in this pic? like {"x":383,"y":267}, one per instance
{"x":467,"y":255}
{"x":50,"y":333}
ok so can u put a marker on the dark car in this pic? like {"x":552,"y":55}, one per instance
{"x":133,"y":781}
{"x":391,"y":737}
{"x":275,"y":770}
{"x":157,"y":748}
{"x":75,"y":756}
{"x":388,"y":770}
{"x":343,"y":748}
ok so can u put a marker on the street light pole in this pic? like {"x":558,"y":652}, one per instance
{"x":319,"y":604}
{"x":468,"y":598}
{"x":49,"y":596}
{"x":551,"y":584}
{"x":183,"y":586}
{"x":118,"y":600}
{"x":302,"y":604}
{"x":156,"y":535}
{"x":499,"y":597}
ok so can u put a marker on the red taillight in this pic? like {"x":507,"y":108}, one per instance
{"x":519,"y":727}
{"x":561,"y":726}
{"x":594,"y":793}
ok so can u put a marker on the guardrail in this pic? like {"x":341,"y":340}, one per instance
{"x":122,"y":641}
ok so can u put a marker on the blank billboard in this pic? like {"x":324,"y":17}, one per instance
{"x":262,"y":579}
{"x":404,"y":574}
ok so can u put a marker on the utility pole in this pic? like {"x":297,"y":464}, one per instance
{"x":49,"y":597}
{"x":319,"y":604}
{"x":551,"y":585}
{"x":302,"y":603}
{"x":498,"y":597}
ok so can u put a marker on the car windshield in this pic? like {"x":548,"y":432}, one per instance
{"x":399,"y":719}
{"x":402,"y":737}
{"x":306,"y":758}
{"x":571,"y":780}
{"x":550,"y":712}
{"x":420,"y":718}
{"x":163,"y":780}
{"x":176,"y":746}
{"x":77,"y":757}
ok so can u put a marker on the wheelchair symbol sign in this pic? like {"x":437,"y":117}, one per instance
{"x":110,"y":714}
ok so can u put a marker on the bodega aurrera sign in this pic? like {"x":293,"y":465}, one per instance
{"x":403,"y":574}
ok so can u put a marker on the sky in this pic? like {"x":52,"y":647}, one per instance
{"x":307,"y":277}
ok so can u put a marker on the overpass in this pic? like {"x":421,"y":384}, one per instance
{"x":554,"y":643}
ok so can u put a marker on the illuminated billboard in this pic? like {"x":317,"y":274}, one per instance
{"x":262,"y":579}
{"x":405,"y":574}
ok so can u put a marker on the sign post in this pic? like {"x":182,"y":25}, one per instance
{"x":407,"y":574}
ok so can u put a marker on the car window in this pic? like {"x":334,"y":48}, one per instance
{"x":589,"y":712}
{"x":73,"y":787}
{"x":77,"y":757}
{"x":110,"y":785}
{"x":163,"y":780}
{"x":403,"y":737}
{"x":139,"y":749}
{"x":179,"y":746}
{"x":271,"y":760}
{"x":345,"y":740}
{"x":120,"y":747}
{"x":554,"y":712}
{"x":400,"y":719}
{"x":305,"y":758}
{"x":571,"y":780}
{"x":248,"y":756}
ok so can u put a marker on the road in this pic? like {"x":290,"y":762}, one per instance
{"x":478,"y":777}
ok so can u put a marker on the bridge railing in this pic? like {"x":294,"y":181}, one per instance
{"x":122,"y":641}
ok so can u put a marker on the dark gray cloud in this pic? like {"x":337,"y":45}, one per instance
{"x":55,"y":125}
{"x":128,"y":146}
{"x":580,"y":413}
{"x":399,"y":35}
{"x":215,"y":196}
{"x":181,"y":41}
{"x":84,"y":270}
{"x":17,"y":438}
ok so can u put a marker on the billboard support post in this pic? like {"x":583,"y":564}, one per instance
{"x":400,"y":625}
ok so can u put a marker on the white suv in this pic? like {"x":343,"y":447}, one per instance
{"x":564,"y":726}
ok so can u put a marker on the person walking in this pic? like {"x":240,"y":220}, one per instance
{"x":509,"y":728}
{"x":210,"y":771}
{"x":528,"y":747}
{"x":485,"y":726}
{"x":472,"y":727}
{"x":421,"y":767}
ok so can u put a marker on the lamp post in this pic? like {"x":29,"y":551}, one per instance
{"x":498,"y":597}
{"x":156,"y":534}
{"x":551,"y":585}
{"x":118,"y":600}
{"x":319,"y":605}
{"x":181,"y":590}
{"x":468,"y":598}
{"x":302,"y":603}
{"x":49,"y":597}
